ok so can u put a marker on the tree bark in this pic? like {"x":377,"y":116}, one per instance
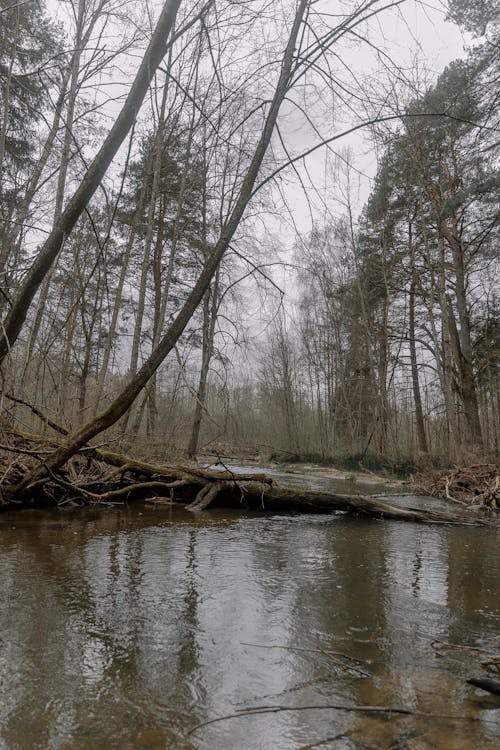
{"x":465,"y":356}
{"x":126,"y":398}
{"x":417,"y":398}
{"x":155,"y":52}
{"x":210,"y":303}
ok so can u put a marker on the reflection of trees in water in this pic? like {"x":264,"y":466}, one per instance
{"x":81,"y":615}
{"x":474,"y":570}
{"x":36,"y":659}
{"x":423,"y":603}
{"x":343,"y":610}
{"x":307,"y":582}
{"x":124,"y":627}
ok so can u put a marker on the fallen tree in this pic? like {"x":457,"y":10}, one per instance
{"x":99,"y":476}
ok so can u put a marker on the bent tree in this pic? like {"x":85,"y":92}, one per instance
{"x":302,"y":53}
{"x":43,"y":261}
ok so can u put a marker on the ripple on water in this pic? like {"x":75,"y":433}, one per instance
{"x":125,"y":629}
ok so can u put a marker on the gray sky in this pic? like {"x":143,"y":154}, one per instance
{"x":415,"y":35}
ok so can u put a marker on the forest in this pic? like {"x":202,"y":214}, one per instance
{"x":244,"y":226}
{"x":249,"y":374}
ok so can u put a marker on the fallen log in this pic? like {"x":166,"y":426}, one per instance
{"x":276,"y":498}
{"x":96,"y":475}
{"x":260,"y":492}
{"x":486,"y":683}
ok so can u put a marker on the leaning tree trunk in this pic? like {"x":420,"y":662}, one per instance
{"x":13,"y":323}
{"x":125,"y":399}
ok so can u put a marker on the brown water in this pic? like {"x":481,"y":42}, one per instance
{"x":126,"y":628}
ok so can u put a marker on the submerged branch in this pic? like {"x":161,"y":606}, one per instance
{"x":99,"y":475}
{"x":384,"y":710}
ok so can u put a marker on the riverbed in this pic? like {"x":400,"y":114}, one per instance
{"x":131,"y":627}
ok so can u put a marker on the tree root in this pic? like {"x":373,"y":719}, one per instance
{"x":205,"y":496}
{"x":98,"y":475}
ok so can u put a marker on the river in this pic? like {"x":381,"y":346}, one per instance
{"x":129,"y":627}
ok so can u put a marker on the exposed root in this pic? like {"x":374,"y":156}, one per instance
{"x":96,"y":475}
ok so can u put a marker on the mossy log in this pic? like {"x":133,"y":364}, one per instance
{"x":98,"y":476}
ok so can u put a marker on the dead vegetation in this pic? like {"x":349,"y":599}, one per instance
{"x":96,"y":475}
{"x":475,"y":485}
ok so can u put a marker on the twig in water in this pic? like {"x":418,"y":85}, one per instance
{"x":381,"y":710}
{"x":340,"y":736}
{"x":438,"y":646}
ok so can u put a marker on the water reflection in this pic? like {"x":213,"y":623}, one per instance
{"x":125,"y":628}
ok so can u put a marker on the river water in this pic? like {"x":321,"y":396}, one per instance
{"x":130,"y":627}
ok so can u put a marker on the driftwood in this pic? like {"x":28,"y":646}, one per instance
{"x":478,"y":484}
{"x":486,"y":683}
{"x":101,"y":476}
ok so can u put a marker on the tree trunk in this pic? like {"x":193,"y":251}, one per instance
{"x":209,"y":320}
{"x":155,"y":52}
{"x":417,"y":398}
{"x":108,"y":346}
{"x":122,"y":403}
{"x":447,"y":355}
{"x":465,"y":359}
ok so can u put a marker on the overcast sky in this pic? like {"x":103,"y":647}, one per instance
{"x":417,"y":32}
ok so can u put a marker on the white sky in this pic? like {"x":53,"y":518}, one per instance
{"x":415,"y":31}
{"x":418,"y":32}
